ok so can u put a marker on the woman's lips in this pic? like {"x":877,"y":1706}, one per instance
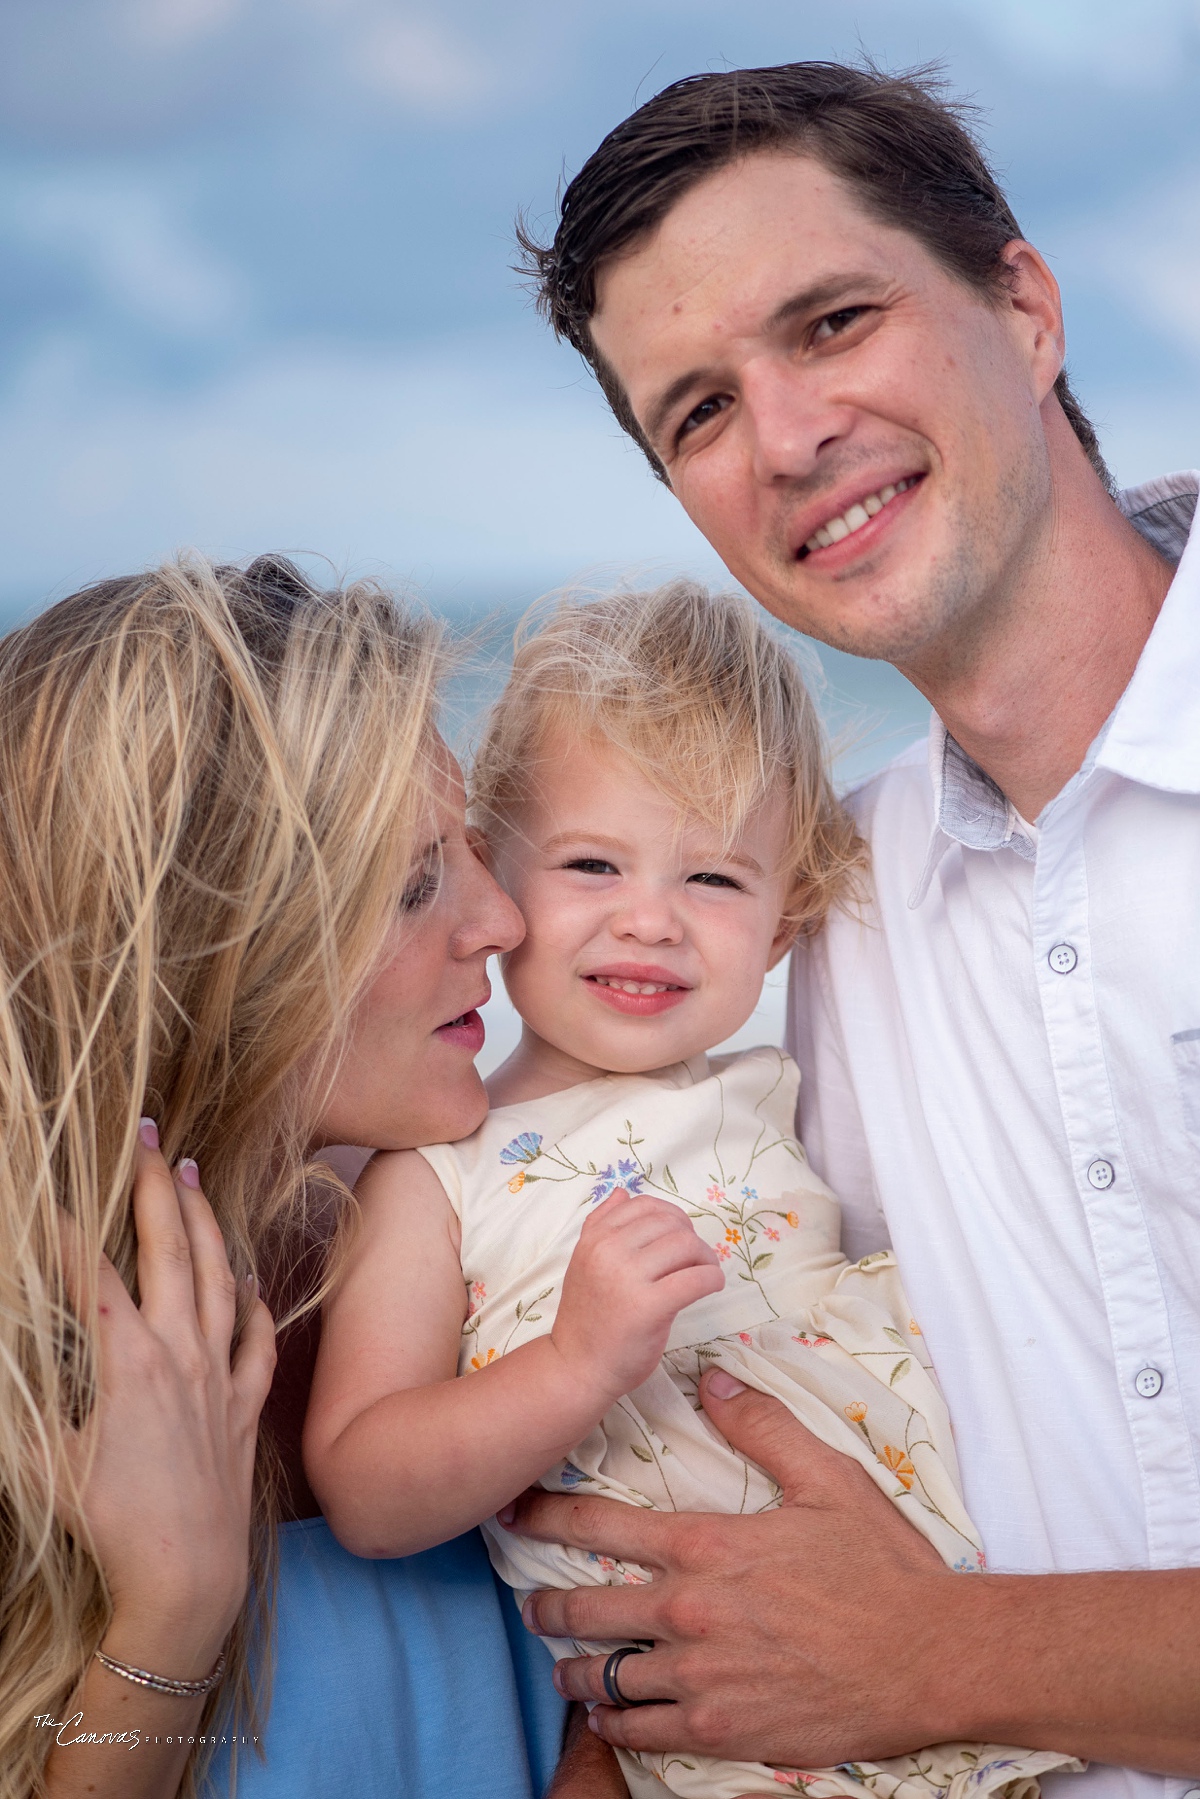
{"x":466,"y":1032}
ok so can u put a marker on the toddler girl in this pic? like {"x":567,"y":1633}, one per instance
{"x":634,"y":1211}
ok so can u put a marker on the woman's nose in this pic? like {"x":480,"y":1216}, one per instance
{"x":491,"y":921}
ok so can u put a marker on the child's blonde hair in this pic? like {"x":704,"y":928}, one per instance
{"x":694,"y":688}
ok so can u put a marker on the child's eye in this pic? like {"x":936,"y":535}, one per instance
{"x":591,"y":865}
{"x":707,"y":879}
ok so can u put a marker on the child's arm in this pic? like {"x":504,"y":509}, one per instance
{"x":401,"y":1453}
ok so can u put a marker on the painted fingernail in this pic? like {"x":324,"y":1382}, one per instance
{"x":507,"y":1513}
{"x":148,"y":1132}
{"x":189,"y":1174}
{"x":723,"y":1386}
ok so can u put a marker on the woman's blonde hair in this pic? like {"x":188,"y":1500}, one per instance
{"x":695,"y":689}
{"x":210,"y":781}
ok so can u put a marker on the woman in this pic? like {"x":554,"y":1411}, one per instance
{"x":238,"y":899}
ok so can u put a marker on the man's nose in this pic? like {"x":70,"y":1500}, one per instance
{"x":789,"y":418}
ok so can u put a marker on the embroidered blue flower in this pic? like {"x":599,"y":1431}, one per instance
{"x":525,"y":1148}
{"x":571,"y":1476}
{"x":608,"y":1183}
{"x":749,"y":1192}
{"x":631,"y":1180}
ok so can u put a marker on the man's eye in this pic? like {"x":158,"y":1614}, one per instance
{"x":591,"y":865}
{"x":836,"y":322}
{"x":700,"y":415}
{"x":707,"y":879}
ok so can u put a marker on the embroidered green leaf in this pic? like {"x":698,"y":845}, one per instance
{"x":643,"y":1455}
{"x":533,"y":1318}
{"x":900,"y":1369}
{"x":893,"y":1334}
{"x":762,"y":1261}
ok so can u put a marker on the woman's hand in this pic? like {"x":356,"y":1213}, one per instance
{"x":167,"y":1459}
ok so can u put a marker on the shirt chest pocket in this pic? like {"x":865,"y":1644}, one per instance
{"x":1186,"y":1045}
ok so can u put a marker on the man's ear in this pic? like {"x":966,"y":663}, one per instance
{"x":1031,"y":292}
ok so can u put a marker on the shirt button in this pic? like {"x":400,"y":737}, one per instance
{"x":1101,"y":1174}
{"x":1062,"y":959}
{"x":1149,"y":1384}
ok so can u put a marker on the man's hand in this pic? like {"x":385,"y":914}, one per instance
{"x":637,"y":1264}
{"x":830,"y":1631}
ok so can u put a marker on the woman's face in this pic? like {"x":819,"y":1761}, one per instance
{"x":407,"y":1074}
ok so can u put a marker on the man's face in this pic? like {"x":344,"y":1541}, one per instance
{"x":856,"y":432}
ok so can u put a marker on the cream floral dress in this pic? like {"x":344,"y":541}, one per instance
{"x":835,"y":1341}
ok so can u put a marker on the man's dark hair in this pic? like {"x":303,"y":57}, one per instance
{"x":896,"y":140}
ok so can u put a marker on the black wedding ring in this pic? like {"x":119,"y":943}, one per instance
{"x":609,"y":1676}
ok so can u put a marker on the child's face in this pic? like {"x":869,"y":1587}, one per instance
{"x":618,"y":893}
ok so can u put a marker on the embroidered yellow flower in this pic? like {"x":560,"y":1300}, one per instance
{"x":856,"y":1411}
{"x":481,"y":1361}
{"x":517,"y":1181}
{"x":901,"y":1467}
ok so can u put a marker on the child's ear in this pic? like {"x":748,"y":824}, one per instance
{"x":782,"y":942}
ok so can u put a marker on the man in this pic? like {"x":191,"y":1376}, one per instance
{"x":808,"y":301}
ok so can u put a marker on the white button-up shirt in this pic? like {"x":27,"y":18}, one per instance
{"x":1002,"y":1078}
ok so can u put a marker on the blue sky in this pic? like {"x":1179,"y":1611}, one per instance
{"x":255,"y":287}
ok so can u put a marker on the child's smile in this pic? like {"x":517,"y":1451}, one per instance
{"x":648,"y":935}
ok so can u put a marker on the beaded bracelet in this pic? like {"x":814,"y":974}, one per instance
{"x":162,"y":1683}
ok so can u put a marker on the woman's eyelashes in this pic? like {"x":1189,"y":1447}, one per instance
{"x":421,"y":889}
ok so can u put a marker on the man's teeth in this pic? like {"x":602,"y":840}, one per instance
{"x":604,"y":980}
{"x":856,"y":516}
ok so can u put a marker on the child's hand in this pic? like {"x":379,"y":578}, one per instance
{"x":637,"y":1263}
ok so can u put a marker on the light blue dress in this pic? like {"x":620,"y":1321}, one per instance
{"x":402,"y":1679}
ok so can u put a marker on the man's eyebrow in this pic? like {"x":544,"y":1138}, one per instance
{"x":820,"y":297}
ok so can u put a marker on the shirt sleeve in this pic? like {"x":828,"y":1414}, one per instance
{"x":828,"y":1120}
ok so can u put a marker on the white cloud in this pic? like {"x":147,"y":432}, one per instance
{"x":420,"y":61}
{"x":468,"y":463}
{"x":1126,"y":44}
{"x":1148,"y":252}
{"x":123,"y":231}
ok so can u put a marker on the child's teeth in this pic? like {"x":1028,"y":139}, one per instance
{"x":603,"y":980}
{"x":855,"y":517}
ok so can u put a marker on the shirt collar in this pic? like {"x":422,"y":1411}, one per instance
{"x":1152,"y":736}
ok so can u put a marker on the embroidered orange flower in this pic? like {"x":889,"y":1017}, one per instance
{"x":732,"y":1236}
{"x":901,"y":1467}
{"x":856,"y":1411}
{"x":481,"y":1361}
{"x":914,"y":1327}
{"x":517,"y":1181}
{"x":793,"y":1220}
